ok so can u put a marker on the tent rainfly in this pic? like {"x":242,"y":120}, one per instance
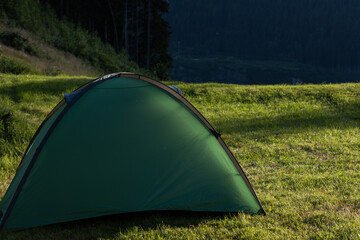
{"x":124,"y":143}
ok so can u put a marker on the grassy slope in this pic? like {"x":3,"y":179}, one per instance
{"x":41,"y":28}
{"x":310,"y":130}
{"x":50,"y":60}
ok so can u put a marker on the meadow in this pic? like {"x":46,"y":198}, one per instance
{"x":311,"y":131}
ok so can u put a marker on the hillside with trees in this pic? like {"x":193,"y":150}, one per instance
{"x":109,"y":35}
{"x":136,"y":27}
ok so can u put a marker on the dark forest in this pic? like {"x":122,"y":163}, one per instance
{"x":136,"y":27}
{"x":262,"y":41}
{"x":322,"y":32}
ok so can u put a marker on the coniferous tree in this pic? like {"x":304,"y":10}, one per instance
{"x":137,"y":27}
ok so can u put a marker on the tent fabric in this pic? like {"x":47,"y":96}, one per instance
{"x":124,"y":143}
{"x":70,"y":96}
{"x":176,"y":89}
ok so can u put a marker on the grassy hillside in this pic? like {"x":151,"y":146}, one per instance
{"x":24,"y":52}
{"x":310,"y":130}
{"x":34,"y":40}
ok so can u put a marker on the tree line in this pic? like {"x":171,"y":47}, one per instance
{"x":104,"y":33}
{"x":136,"y":27}
{"x":324,"y":33}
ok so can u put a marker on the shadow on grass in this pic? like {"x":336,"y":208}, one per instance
{"x":112,"y":226}
{"x":51,"y":87}
{"x":344,"y":117}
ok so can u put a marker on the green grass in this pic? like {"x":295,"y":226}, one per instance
{"x":310,"y":130}
{"x":15,"y":66}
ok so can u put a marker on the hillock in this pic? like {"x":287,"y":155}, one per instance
{"x":34,"y":40}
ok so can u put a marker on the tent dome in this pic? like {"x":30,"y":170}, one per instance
{"x":124,"y":143}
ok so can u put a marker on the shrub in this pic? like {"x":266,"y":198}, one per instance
{"x":14,"y":66}
{"x":161,"y":70}
{"x":14,"y":40}
{"x":7,"y":131}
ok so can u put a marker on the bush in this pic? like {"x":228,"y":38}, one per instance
{"x":14,"y":66}
{"x":161,"y":70}
{"x":14,"y":40}
{"x":7,"y":131}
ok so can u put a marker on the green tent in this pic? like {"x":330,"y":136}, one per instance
{"x":124,"y":143}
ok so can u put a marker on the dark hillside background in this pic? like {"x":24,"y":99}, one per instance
{"x":231,"y":41}
{"x":266,"y":41}
{"x":110,"y":35}
{"x":136,"y":27}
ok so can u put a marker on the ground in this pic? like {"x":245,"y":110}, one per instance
{"x":310,"y":131}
